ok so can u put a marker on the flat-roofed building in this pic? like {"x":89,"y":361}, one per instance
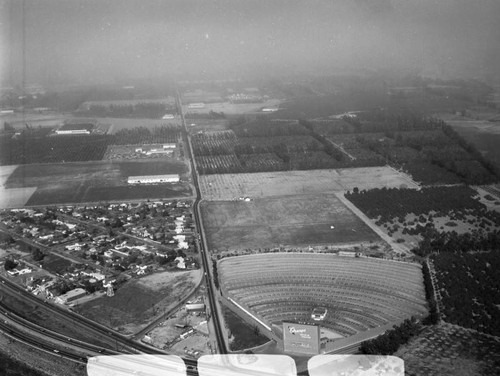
{"x":76,"y":128}
{"x":71,"y":295}
{"x":153,"y":179}
{"x":156,"y":149}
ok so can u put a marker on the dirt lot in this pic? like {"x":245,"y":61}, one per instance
{"x":167,"y":335}
{"x":298,"y":220}
{"x":265,"y":184}
{"x":139,"y":301}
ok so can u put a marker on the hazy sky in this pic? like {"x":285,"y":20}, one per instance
{"x":103,"y":40}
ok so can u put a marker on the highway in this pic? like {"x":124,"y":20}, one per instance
{"x":52,"y":341}
{"x":125,"y":344}
{"x":12,"y":322}
{"x":221,"y":343}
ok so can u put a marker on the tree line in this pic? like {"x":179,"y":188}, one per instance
{"x":389,"y":342}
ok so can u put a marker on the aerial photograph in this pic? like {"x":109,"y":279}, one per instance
{"x":249,"y":187}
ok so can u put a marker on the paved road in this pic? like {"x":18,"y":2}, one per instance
{"x":212,"y":311}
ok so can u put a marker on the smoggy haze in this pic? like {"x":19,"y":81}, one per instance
{"x":93,"y":41}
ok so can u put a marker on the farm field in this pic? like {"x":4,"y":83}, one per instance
{"x":296,"y":220}
{"x":136,"y":192}
{"x":18,"y":120}
{"x":447,"y":349}
{"x":139,"y":301}
{"x":232,"y":108}
{"x":126,"y":102}
{"x":118,"y":124}
{"x":485,"y":136}
{"x":12,"y":197}
{"x":427,"y":149}
{"x":266,"y":184}
{"x":95,"y":181}
{"x":207,"y":125}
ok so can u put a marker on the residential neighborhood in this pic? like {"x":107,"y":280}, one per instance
{"x":69,"y":252}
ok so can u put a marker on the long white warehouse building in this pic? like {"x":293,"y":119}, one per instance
{"x":151,"y":179}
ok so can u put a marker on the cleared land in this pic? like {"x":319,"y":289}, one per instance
{"x":361,"y":294}
{"x":298,"y":220}
{"x":95,"y":181}
{"x":265,"y":184}
{"x":138,"y":302}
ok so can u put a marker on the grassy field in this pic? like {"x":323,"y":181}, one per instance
{"x":265,"y":184}
{"x":298,"y":220}
{"x":139,"y":301}
{"x":95,"y":181}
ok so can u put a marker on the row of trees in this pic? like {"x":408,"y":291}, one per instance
{"x":388,"y":203}
{"x":444,"y":149}
{"x":389,"y":342}
{"x":433,"y":317}
{"x":435,"y":142}
{"x":452,"y":242}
